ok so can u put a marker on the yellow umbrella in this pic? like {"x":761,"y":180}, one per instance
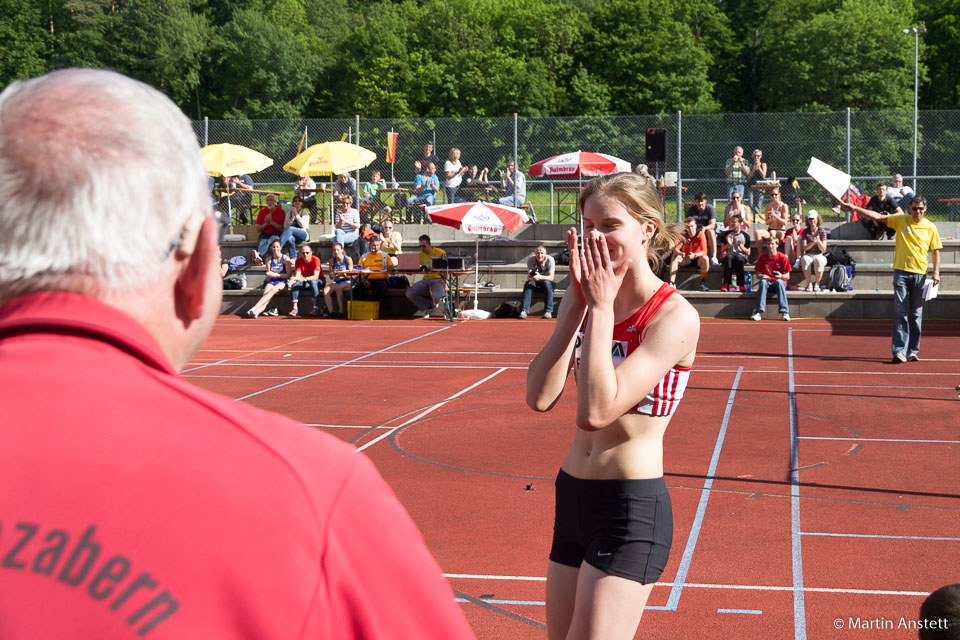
{"x":233,"y":160}
{"x":330,"y":158}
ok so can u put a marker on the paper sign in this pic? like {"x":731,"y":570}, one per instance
{"x":836,"y":182}
{"x":930,"y":290}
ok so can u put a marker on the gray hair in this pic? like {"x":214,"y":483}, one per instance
{"x":100,"y":175}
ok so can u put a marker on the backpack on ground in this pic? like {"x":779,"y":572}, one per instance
{"x":507,"y":309}
{"x":839,"y":277}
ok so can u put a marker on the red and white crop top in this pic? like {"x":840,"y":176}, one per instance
{"x":663,"y":399}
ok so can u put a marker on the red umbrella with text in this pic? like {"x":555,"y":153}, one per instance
{"x":577,"y":165}
{"x":480,"y":219}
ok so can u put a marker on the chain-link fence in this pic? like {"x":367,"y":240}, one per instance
{"x":870,"y":145}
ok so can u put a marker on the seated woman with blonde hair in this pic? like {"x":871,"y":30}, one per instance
{"x":279,"y":270}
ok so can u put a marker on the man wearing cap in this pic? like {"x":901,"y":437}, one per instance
{"x":134,"y":504}
{"x":916,"y":236}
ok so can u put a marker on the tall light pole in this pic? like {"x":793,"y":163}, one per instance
{"x":916,"y":31}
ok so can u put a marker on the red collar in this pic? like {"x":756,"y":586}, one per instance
{"x":75,"y":314}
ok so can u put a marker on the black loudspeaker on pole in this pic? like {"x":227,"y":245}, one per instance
{"x":656,"y":145}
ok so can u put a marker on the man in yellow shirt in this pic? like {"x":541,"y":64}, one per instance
{"x":427,"y":294}
{"x":915,"y":237}
{"x":374,"y":265}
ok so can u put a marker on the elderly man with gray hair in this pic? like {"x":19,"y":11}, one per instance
{"x":134,"y":502}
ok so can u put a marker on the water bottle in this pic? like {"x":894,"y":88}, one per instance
{"x":243,"y":280}
{"x":733,"y":281}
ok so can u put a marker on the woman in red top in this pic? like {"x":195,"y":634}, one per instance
{"x":631,"y":343}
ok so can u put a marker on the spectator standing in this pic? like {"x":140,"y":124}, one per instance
{"x":306,"y":188}
{"x":736,"y":249}
{"x":391,"y":241}
{"x":916,"y":236}
{"x":736,"y":171}
{"x":791,"y":239}
{"x":269,"y":227}
{"x":899,"y":192}
{"x":425,"y":187}
{"x":773,"y":270}
{"x":514,"y":186}
{"x":758,"y":172}
{"x":346,"y":186}
{"x":540,"y":272}
{"x":240,"y":199}
{"x":813,"y":244}
{"x":374,"y":265}
{"x":308,"y":274}
{"x":706,"y":217}
{"x":426,"y":294}
{"x":692,"y":249}
{"x":339,"y":264}
{"x":295,"y":227}
{"x":427,"y":157}
{"x":347,"y":221}
{"x":156,"y":484}
{"x":453,"y":171}
{"x":279,"y":270}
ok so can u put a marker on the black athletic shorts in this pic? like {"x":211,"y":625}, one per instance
{"x":621,"y":527}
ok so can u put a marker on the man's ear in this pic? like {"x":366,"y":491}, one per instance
{"x":197,"y":256}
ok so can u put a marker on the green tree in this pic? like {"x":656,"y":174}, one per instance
{"x":831,"y":54}
{"x":85,"y":32}
{"x":23,"y":41}
{"x":940,"y":48}
{"x":162,"y":43}
{"x":257,"y":70}
{"x":651,"y":61}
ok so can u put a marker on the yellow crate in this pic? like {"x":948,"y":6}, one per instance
{"x":363,"y":310}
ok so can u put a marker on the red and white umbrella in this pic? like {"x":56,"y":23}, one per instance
{"x":480,"y":219}
{"x":579,"y":163}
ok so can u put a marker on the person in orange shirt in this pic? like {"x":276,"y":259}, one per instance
{"x":374,"y":263}
{"x":692,"y":249}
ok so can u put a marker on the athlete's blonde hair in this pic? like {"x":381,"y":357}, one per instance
{"x":641,"y":199}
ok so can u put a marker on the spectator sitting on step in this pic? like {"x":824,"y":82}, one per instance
{"x":738,"y":207}
{"x":706,"y":217}
{"x":374,"y":264}
{"x":426,"y":294}
{"x":692,"y":249}
{"x":339,"y":263}
{"x":774,"y":271}
{"x":791,"y":239}
{"x":279,"y":270}
{"x":296,"y":225}
{"x":391,"y":241}
{"x":899,"y":192}
{"x":269,"y":227}
{"x":347,"y":221}
{"x":346,"y":186}
{"x":776,"y":217}
{"x":813,"y":244}
{"x":308,"y":275}
{"x":736,"y":247}
{"x":540,"y":272}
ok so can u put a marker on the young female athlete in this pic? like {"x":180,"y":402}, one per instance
{"x":631,"y":341}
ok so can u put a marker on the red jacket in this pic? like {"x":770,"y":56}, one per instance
{"x":767,"y":265}
{"x":133,"y":504}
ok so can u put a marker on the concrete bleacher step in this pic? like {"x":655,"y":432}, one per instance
{"x":852,"y":304}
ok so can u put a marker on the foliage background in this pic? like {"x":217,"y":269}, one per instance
{"x":251,"y":59}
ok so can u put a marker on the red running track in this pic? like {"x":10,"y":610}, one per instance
{"x":814,"y":484}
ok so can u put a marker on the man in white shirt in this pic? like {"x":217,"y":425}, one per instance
{"x":514,"y":186}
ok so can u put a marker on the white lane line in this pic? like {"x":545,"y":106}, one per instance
{"x":316,"y":373}
{"x":430,"y":409}
{"x":881,"y":440}
{"x":878,"y":536}
{"x":242,"y":353}
{"x":345,"y":426}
